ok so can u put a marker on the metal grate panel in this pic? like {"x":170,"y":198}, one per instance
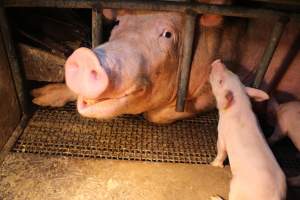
{"x":64,"y":132}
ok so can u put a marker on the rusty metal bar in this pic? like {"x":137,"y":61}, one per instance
{"x":183,"y":84}
{"x":96,"y":27}
{"x":13,"y":61}
{"x":269,"y":51}
{"x":14,"y":137}
{"x":176,"y":6}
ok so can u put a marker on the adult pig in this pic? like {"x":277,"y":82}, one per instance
{"x":256,"y":174}
{"x":136,"y":71}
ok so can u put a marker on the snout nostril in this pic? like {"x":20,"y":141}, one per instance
{"x":94,"y":75}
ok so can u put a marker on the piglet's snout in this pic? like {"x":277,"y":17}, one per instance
{"x":218,"y":66}
{"x":84,"y":74}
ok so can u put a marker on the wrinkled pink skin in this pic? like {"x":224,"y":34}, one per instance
{"x":136,"y":70}
{"x":256,"y":173}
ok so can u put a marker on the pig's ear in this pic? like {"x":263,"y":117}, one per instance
{"x":229,"y":98}
{"x":256,"y":94}
{"x":110,"y":14}
{"x":227,"y":101}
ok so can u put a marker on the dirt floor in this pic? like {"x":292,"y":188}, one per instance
{"x":34,"y":177}
{"x":28,"y":176}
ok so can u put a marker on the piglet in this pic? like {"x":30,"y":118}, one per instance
{"x":256,"y":174}
{"x":288,"y":121}
{"x":288,"y":124}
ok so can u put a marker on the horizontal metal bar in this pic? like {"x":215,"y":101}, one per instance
{"x":269,"y":51}
{"x":14,"y":137}
{"x":13,"y":62}
{"x":96,"y":27}
{"x":178,"y":6}
{"x":189,"y":30}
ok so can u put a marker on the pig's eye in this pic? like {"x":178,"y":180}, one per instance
{"x":167,"y":34}
{"x":220,"y":81}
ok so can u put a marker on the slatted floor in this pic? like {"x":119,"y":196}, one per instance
{"x":64,"y":132}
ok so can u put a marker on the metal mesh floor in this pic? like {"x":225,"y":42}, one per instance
{"x":64,"y":132}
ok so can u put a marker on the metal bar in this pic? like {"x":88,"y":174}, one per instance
{"x":14,"y":137}
{"x":269,"y":51}
{"x":13,"y":61}
{"x":177,"y":6}
{"x":96,"y":27}
{"x":189,"y":30}
{"x":285,"y":64}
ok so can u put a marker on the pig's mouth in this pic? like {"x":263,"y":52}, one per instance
{"x":85,"y":102}
{"x":105,"y":108}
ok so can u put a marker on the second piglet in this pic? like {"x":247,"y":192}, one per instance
{"x":288,"y":118}
{"x":256,"y":173}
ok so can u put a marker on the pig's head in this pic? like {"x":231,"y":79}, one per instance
{"x":228,"y":89}
{"x":135,"y":71}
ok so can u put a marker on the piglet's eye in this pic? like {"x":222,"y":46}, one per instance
{"x":167,"y":34}
{"x":220,"y":81}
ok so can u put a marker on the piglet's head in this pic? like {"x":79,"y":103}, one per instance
{"x":228,"y":89}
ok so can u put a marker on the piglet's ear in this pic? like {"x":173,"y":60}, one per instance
{"x":229,"y":99}
{"x":256,"y":94}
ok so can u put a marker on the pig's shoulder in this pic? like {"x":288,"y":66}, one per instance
{"x":288,"y":112}
{"x":289,"y":107}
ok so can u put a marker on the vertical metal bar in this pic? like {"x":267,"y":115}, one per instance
{"x":183,"y":85}
{"x":269,"y":51}
{"x":96,"y":27}
{"x":13,"y":61}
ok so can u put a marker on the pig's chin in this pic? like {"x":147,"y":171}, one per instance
{"x":100,"y":109}
{"x":104,"y":108}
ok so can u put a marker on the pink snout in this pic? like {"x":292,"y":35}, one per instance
{"x":217,"y":66}
{"x":84,"y":74}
